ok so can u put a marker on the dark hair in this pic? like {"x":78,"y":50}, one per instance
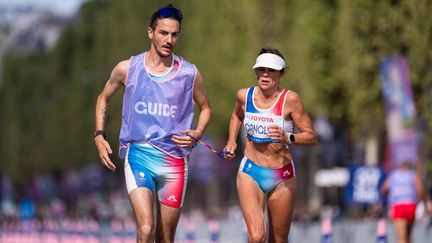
{"x":271,"y":50}
{"x":167,"y":11}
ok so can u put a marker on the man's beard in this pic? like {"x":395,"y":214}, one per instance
{"x":161,"y":54}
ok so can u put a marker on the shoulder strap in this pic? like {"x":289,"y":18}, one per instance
{"x":136,"y":63}
{"x":249,"y":100}
{"x":280,"y":103}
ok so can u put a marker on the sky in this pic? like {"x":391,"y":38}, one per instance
{"x":61,"y":7}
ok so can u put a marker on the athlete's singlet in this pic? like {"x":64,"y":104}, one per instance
{"x":256,"y":121}
{"x":402,"y":187}
{"x":157,"y":107}
{"x":402,"y":195}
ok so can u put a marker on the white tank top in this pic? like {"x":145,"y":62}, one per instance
{"x":256,"y":121}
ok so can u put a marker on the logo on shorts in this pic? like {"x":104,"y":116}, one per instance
{"x":172,"y":198}
{"x":141,"y":174}
{"x":286,"y":173}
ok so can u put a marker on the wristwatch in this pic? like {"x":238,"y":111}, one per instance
{"x":291,"y":138}
{"x":99,"y":132}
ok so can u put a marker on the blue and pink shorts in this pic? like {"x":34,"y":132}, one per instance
{"x":267,"y":178}
{"x":146,"y":166}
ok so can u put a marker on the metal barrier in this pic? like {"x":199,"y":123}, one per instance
{"x":203,"y":231}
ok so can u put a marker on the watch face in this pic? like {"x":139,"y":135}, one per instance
{"x":292,"y":138}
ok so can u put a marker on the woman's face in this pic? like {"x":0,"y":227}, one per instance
{"x":268,"y":78}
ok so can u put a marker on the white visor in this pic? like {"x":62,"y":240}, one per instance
{"x":269,"y":60}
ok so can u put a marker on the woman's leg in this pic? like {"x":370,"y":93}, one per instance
{"x":400,"y":226}
{"x":252,"y":204}
{"x":280,"y":204}
{"x":409,"y":228}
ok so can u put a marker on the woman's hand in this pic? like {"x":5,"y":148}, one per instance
{"x":229,"y":150}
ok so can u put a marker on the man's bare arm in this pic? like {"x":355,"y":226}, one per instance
{"x":201,"y":99}
{"x":115,"y":82}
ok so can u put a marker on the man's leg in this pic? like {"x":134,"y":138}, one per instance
{"x":170,"y":186}
{"x":141,"y":200}
{"x":166,"y":224}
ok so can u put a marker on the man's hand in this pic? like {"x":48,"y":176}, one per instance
{"x":188,"y":140}
{"x":104,"y":150}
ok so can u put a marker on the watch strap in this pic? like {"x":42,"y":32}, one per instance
{"x":100,"y":132}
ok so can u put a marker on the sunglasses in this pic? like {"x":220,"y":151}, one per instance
{"x":167,"y":12}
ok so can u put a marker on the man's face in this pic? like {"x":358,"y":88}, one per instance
{"x":165,"y":35}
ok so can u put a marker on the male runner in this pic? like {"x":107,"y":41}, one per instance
{"x":156,"y":137}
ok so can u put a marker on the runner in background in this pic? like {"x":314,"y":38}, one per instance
{"x":404,"y":189}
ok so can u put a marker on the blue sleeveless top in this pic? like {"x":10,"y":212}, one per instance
{"x":402,"y":188}
{"x":154,"y":109}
